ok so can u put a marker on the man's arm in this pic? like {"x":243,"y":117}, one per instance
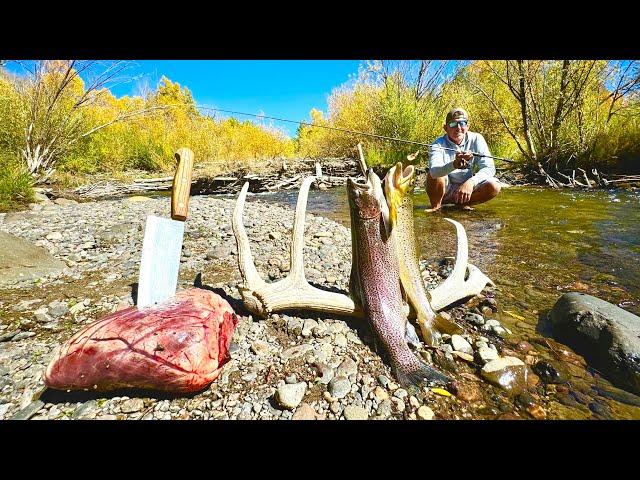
{"x":486,"y":166}
{"x":437,"y":162}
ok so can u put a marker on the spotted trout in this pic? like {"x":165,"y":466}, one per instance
{"x":375,"y":283}
{"x":398,"y":186}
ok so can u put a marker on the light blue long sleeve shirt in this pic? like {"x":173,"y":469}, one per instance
{"x":441,"y":161}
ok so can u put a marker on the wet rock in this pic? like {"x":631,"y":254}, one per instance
{"x":537,"y":412}
{"x":567,"y":400}
{"x":616,"y":394}
{"x":486,"y":354}
{"x":508,"y":373}
{"x":525,"y":400}
{"x":290,"y":396}
{"x":475,"y":319}
{"x":607,"y":335}
{"x":524,"y":346}
{"x":467,"y":392}
{"x":600,"y":409}
{"x":461,"y":345}
{"x":550,"y":372}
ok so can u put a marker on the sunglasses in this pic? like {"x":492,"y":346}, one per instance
{"x":462,"y":123}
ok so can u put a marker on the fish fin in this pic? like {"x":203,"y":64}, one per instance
{"x":430,"y":336}
{"x":446,"y":326}
{"x":421,"y":375}
{"x":411,"y":336}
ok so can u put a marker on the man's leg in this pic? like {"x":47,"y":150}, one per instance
{"x":436,"y":188}
{"x":484,"y":192}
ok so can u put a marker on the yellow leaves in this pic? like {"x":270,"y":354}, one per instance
{"x":441,"y":391}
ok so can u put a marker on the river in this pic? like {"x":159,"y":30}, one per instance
{"x":535,"y":244}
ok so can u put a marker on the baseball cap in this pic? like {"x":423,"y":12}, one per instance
{"x":456,"y":114}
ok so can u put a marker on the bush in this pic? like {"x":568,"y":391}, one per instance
{"x":16,"y":186}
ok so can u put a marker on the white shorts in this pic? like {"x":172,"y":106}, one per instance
{"x":449,"y":186}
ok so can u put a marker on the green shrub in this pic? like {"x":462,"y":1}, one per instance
{"x":15,"y":183}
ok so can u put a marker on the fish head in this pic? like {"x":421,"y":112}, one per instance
{"x":364,"y":196}
{"x":398,"y":183}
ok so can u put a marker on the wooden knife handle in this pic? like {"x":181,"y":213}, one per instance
{"x":182,"y":184}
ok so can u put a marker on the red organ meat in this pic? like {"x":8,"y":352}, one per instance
{"x":178,"y":346}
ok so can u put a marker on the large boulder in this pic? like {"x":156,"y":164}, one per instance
{"x":605,"y":334}
{"x":22,"y":260}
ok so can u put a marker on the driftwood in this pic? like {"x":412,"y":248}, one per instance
{"x":288,"y":177}
{"x":568,"y":179}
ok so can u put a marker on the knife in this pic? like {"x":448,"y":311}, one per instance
{"x":162,"y":242}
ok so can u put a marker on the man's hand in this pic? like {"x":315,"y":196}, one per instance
{"x":462,"y":159}
{"x":462,"y":193}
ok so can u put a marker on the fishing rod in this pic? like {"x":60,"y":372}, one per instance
{"x":356,"y":132}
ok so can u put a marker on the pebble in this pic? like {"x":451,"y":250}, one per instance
{"x":304,"y":412}
{"x":486,"y":354}
{"x":347,"y":368}
{"x":353,"y":412}
{"x":380,"y":394}
{"x":400,"y":393}
{"x":132,"y":405}
{"x":289,"y":396}
{"x":425,"y":413}
{"x":459,"y":344}
{"x":259,"y":347}
{"x":339,"y":387}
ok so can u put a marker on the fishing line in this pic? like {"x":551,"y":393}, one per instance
{"x":395,"y":139}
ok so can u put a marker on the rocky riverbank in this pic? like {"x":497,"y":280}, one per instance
{"x":300,"y":365}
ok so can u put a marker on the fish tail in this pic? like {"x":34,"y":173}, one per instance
{"x":420,"y":374}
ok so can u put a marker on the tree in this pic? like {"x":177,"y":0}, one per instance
{"x":57,"y":98}
{"x":547,"y":94}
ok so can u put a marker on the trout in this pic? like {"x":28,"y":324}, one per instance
{"x":375,"y":284}
{"x":398,"y":186}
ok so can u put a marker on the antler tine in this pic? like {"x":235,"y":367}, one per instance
{"x":245,"y":259}
{"x":297,"y":243}
{"x":293,"y":291}
{"x":455,"y":287}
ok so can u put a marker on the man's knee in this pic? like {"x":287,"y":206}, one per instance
{"x":493,"y":187}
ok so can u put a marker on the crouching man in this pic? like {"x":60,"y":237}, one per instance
{"x":451,"y":178}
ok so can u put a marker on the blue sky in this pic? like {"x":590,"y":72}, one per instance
{"x":281,"y":88}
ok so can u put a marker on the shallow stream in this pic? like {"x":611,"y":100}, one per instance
{"x":535,"y":244}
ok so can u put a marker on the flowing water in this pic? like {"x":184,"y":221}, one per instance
{"x":535,"y":244}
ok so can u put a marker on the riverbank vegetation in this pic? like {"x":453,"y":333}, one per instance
{"x":59,"y":121}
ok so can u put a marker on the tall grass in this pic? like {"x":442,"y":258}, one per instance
{"x":15,"y":183}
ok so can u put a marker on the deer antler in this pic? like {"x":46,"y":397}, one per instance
{"x":455,"y":287}
{"x":292,"y":292}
